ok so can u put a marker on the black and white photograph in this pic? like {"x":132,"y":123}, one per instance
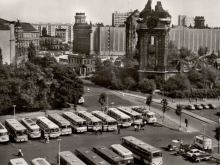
{"x":109,"y":82}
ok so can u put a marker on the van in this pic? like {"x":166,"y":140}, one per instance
{"x":203,"y":142}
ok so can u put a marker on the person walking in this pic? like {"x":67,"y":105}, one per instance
{"x":20,"y":153}
{"x":119,"y":129}
{"x":135,"y":128}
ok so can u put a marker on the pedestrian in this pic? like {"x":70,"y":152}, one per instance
{"x":186,"y":122}
{"x":20,"y":153}
{"x":143,"y":125}
{"x":119,"y":129}
{"x":139,"y":127}
{"x":135,"y":127}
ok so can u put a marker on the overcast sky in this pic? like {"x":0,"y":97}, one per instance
{"x":63,"y":11}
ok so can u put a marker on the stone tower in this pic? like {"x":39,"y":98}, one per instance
{"x":153,"y":39}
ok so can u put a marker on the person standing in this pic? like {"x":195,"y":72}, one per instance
{"x":119,"y":129}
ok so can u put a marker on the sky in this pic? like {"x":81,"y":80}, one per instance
{"x":63,"y":11}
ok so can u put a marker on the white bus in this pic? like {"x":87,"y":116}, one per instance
{"x":122,"y":119}
{"x":65,"y":125}
{"x":143,"y":151}
{"x":16,"y":130}
{"x":109,"y":123}
{"x":68,"y":158}
{"x":47,"y":127}
{"x":33,"y":129}
{"x":3,"y":134}
{"x":148,"y":116}
{"x":93,"y":123}
{"x":123,"y":152}
{"x":17,"y":161}
{"x":78,"y":123}
{"x":39,"y":161}
{"x":135,"y":116}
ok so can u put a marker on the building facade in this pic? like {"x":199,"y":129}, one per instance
{"x":119,"y":18}
{"x":50,"y":43}
{"x":7,"y":41}
{"x":51,"y":30}
{"x":199,"y":22}
{"x":61,"y":33}
{"x":186,"y":21}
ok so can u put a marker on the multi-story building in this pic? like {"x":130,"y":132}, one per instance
{"x":50,"y":43}
{"x":119,"y":18}
{"x":199,"y":22}
{"x":7,"y":41}
{"x":61,"y":33}
{"x":25,"y":34}
{"x":187,"y":21}
{"x":51,"y":29}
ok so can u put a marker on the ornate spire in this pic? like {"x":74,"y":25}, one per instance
{"x":147,"y":10}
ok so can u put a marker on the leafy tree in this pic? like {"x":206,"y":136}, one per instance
{"x":164,"y":106}
{"x":149,"y":101}
{"x":102,"y":99}
{"x":129,"y":83}
{"x":147,"y":85}
{"x":44,"y":32}
{"x":202,"y":51}
{"x":179,"y":109}
{"x":31,"y":52}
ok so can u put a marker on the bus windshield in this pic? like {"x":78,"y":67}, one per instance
{"x":20,"y":133}
{"x":55,"y":130}
{"x":81,"y":124}
{"x":137,"y":117}
{"x":157,"y":154}
{"x":151,"y":116}
{"x":126,"y":120}
{"x":3,"y":133}
{"x":35,"y":130}
{"x":112,"y":123}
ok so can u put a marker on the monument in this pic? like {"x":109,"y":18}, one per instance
{"x":153,"y":39}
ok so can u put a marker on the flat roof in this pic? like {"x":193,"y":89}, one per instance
{"x":71,"y":158}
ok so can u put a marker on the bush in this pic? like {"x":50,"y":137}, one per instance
{"x":147,"y":86}
{"x":129,"y":83}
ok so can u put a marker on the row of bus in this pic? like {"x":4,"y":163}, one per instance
{"x":55,"y":124}
{"x":117,"y":154}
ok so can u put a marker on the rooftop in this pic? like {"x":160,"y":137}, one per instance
{"x":27,"y":27}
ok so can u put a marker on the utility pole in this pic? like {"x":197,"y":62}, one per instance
{"x":59,"y":141}
{"x":14,"y":110}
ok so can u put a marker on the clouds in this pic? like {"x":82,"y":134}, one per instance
{"x":101,"y":10}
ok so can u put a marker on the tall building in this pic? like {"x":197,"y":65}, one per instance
{"x":119,"y":18}
{"x":7,"y":41}
{"x":61,"y":33}
{"x":199,"y":22}
{"x":187,"y":21}
{"x":51,"y":30}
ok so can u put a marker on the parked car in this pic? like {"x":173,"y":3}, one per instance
{"x":201,"y":157}
{"x":204,"y":106}
{"x":194,"y":152}
{"x":212,"y":106}
{"x":190,"y":107}
{"x":198,"y":107}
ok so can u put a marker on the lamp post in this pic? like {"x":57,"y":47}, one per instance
{"x":14,"y":110}
{"x":59,"y":141}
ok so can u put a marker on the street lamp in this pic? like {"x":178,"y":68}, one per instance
{"x":14,"y":110}
{"x":59,"y":141}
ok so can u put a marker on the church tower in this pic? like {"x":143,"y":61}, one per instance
{"x":153,"y":39}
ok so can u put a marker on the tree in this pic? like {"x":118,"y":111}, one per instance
{"x":164,"y":106}
{"x":44,"y":32}
{"x":202,"y":51}
{"x":149,"y":101}
{"x":129,"y":83}
{"x":217,"y":136}
{"x":102,"y":99}
{"x":179,"y":109}
{"x":147,"y":85}
{"x":1,"y":57}
{"x":31,"y":52}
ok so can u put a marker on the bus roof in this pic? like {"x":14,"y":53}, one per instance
{"x":15,"y":124}
{"x":47,"y":122}
{"x":59,"y":119}
{"x":73,"y":116}
{"x":89,"y":116}
{"x":108,"y":153}
{"x":103,"y":116}
{"x":71,"y":158}
{"x":129,"y":111}
{"x":141,"y":144}
{"x":2,"y":128}
{"x":40,"y":161}
{"x":30,"y":123}
{"x":121,"y":149}
{"x":18,"y":161}
{"x":92,"y":156}
{"x":119,"y":113}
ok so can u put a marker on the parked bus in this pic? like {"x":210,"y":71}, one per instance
{"x":108,"y":155}
{"x":109,"y":123}
{"x":123,"y":152}
{"x":93,"y":123}
{"x":33,"y":129}
{"x":89,"y":157}
{"x":47,"y":127}
{"x":17,"y":161}
{"x":143,"y":151}
{"x":78,"y":123}
{"x":39,"y":161}
{"x":122,"y":119}
{"x":16,"y":130}
{"x":68,"y":158}
{"x":65,"y":125}
{"x":136,"y":117}
{"x":148,"y":116}
{"x":3,"y":134}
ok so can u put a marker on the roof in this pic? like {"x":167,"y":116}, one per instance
{"x":27,"y":27}
{"x":3,"y":21}
{"x":4,"y":26}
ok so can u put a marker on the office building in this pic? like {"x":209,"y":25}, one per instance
{"x":119,"y":18}
{"x":199,"y":22}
